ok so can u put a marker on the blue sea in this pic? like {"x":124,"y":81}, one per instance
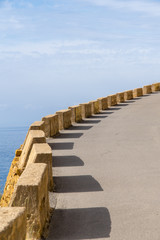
{"x":10,"y":140}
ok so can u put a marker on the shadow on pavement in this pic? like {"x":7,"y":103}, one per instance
{"x":82,"y":223}
{"x":61,"y":145}
{"x":67,"y":161}
{"x":83,"y":183}
{"x":80,"y":127}
{"x":69,"y":135}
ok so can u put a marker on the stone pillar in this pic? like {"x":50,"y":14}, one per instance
{"x":128,"y":95}
{"x":42,"y":153}
{"x":76,"y":113}
{"x":86,"y":110}
{"x":31,"y":192}
{"x":147,"y":89}
{"x":103,"y":103}
{"x":12,"y":223}
{"x":64,"y":117}
{"x":137,"y":92}
{"x":120,"y":97}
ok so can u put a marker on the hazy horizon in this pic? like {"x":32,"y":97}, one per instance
{"x":57,"y":53}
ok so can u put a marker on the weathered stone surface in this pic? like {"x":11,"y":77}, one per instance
{"x":12,"y":178}
{"x":64,"y":117}
{"x":42,"y":153}
{"x":18,"y":152}
{"x":12,"y":223}
{"x":112,"y":100}
{"x":51,"y":125}
{"x":95,"y":108}
{"x":31,"y":192}
{"x":147,"y":89}
{"x":120,"y":97}
{"x":47,"y":126}
{"x":76,"y":113}
{"x":86,"y":110}
{"x":137,"y":92}
{"x":103,"y":103}
{"x":155,"y":87}
{"x":128,"y":95}
{"x":34,"y":136}
{"x":38,"y":125}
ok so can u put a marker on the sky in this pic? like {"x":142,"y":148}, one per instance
{"x":58,"y":53}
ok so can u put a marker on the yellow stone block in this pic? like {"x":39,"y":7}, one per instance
{"x":155,"y":87}
{"x":120,"y":97}
{"x":137,"y":92}
{"x":128,"y":95}
{"x":147,"y":89}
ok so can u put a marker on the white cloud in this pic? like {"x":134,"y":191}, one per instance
{"x":149,"y":7}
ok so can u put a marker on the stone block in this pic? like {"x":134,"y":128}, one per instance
{"x":12,"y":223}
{"x":76,"y":113}
{"x":42,"y":153}
{"x":120,"y":97}
{"x":112,"y":100}
{"x":51,"y":125}
{"x":95,"y":108}
{"x":18,"y":153}
{"x":31,"y":192}
{"x":155,"y":87}
{"x":34,"y":136}
{"x":103,"y":103}
{"x":137,"y":92}
{"x":86,"y":110}
{"x":64,"y":117}
{"x":38,"y":125}
{"x":128,"y":95}
{"x":147,"y":89}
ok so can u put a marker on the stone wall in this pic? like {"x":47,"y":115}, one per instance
{"x":24,"y":206}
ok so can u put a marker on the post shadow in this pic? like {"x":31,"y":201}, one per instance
{"x":114,"y":108}
{"x":71,"y":184}
{"x":98,"y":116}
{"x":122,"y":104}
{"x":90,"y":121}
{"x":130,"y":101}
{"x":61,"y":145}
{"x":67,"y":161}
{"x":69,"y":135}
{"x":82,"y":223}
{"x":80,"y":127}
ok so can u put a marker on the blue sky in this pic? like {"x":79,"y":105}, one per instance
{"x":58,"y":53}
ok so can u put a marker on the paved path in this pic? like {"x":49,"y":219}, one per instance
{"x":107,"y":175}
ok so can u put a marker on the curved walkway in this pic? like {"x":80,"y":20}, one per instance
{"x":107,"y":175}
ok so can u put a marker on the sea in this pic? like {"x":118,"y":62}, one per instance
{"x":10,"y":139}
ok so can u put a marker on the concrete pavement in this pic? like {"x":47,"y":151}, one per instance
{"x":107,"y":175}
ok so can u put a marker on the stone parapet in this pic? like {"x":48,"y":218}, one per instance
{"x":34,"y":136}
{"x":95,"y":108}
{"x":30,"y":175}
{"x":120,"y":97}
{"x":155,"y":87}
{"x":112,"y":100}
{"x":42,"y":153}
{"x":147,"y":89}
{"x":76,"y":113}
{"x":137,"y":92}
{"x":103,"y":103}
{"x":12,"y":223}
{"x":31,"y":192}
{"x":128,"y":95}
{"x":64,"y":117}
{"x":51,"y":123}
{"x":86,"y":110}
{"x":38,"y":125}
